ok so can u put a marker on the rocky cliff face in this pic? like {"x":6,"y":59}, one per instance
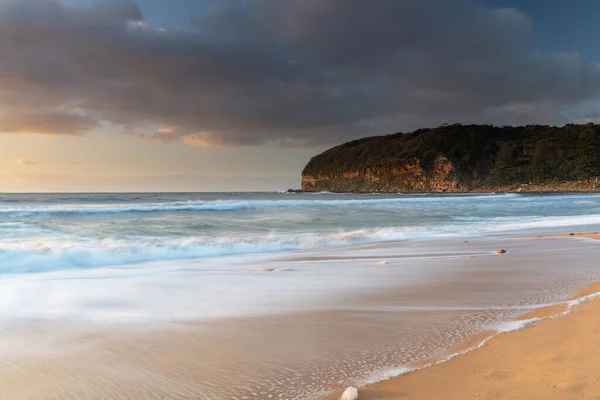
{"x":409,"y":177}
{"x":461,"y":158}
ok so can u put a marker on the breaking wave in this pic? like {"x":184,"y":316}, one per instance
{"x":52,"y":252}
{"x":23,"y":211}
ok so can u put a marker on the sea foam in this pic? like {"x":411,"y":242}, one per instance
{"x":29,"y":210}
{"x":497,"y":328}
{"x":36,"y":248}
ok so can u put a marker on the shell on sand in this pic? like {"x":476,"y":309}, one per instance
{"x":351,"y":393}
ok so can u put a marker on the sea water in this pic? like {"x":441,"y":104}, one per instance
{"x":268,"y":295}
{"x":75,"y":231}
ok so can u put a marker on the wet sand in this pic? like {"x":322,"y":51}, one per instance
{"x":575,"y":235}
{"x":557,"y":358}
{"x":431,"y":297}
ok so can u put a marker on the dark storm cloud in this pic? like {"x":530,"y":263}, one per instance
{"x":294,"y":72}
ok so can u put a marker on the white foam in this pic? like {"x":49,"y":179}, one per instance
{"x":517,"y":325}
{"x":46,"y":251}
{"x":499,"y":328}
{"x":583,"y":300}
{"x":222,"y":205}
{"x":385,"y":374}
{"x":587,"y":202}
{"x":158,"y":293}
{"x":30,"y":243}
{"x":513,"y":326}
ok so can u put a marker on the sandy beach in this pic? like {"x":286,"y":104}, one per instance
{"x":306,"y":324}
{"x":557,"y":358}
{"x":573,"y":235}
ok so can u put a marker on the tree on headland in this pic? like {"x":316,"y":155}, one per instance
{"x":481,"y":155}
{"x":541,"y":168}
{"x":504,"y":171}
{"x":588,"y":154}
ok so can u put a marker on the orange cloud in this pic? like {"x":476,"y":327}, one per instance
{"x":28,"y":163}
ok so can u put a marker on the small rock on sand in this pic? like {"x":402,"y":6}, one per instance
{"x":501,"y":251}
{"x":351,"y":393}
{"x":383,"y":262}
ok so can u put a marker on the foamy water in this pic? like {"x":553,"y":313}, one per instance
{"x":51,"y":232}
{"x":261,"y":296}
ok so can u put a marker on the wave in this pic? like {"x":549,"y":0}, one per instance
{"x":500,"y":224}
{"x":29,"y":211}
{"x":47,"y":253}
{"x":587,"y":202}
{"x":225,"y":205}
{"x":21,"y":256}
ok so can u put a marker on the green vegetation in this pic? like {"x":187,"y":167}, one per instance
{"x":588,"y":153}
{"x":505,"y":168}
{"x":481,"y":155}
{"x":541,"y":169}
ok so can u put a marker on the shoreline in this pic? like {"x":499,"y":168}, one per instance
{"x":497,"y":364}
{"x":520,"y":190}
{"x":385,"y":300}
{"x":573,"y":235}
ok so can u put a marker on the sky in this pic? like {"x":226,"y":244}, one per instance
{"x":237,"y":95}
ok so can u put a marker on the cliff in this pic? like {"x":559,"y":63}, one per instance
{"x":462,"y":158}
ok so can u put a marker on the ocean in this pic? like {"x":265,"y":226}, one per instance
{"x":46,"y":232}
{"x":271,"y":295}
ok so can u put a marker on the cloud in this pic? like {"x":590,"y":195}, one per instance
{"x":293,"y":73}
{"x":24,"y":162}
